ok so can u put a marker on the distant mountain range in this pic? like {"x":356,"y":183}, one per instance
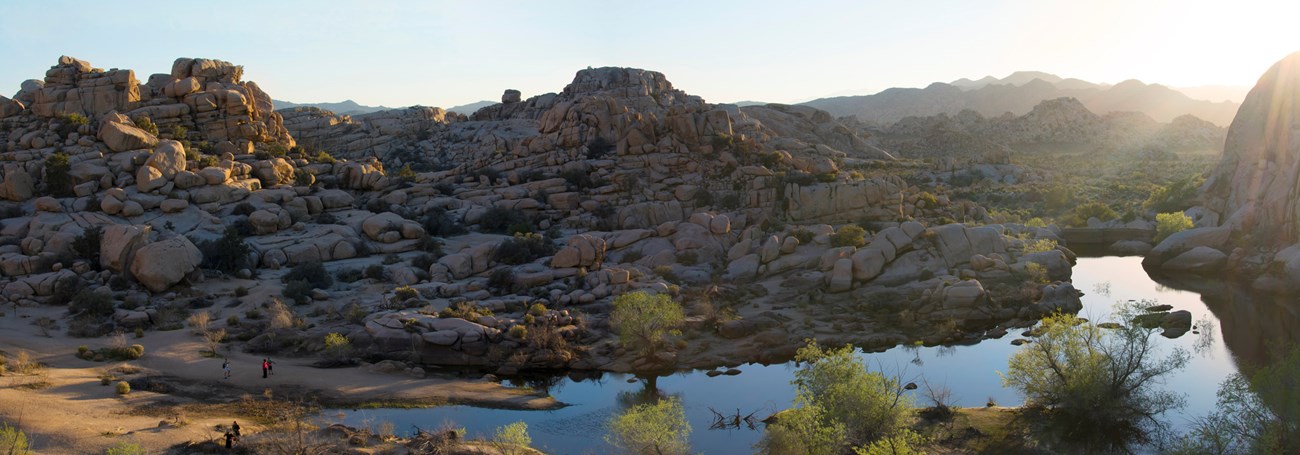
{"x":350,"y":107}
{"x":1019,"y":93}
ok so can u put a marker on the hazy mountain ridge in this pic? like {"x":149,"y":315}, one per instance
{"x":1018,"y":93}
{"x":345,"y":107}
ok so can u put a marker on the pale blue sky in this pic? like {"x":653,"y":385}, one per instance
{"x":449,"y":53}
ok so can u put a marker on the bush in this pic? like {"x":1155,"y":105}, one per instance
{"x":464,"y":310}
{"x":502,"y":279}
{"x":58,"y":181}
{"x":13,"y":441}
{"x":688,"y":258}
{"x":1094,"y":387}
{"x":438,"y":223}
{"x":522,"y":249}
{"x":518,"y":332}
{"x":206,"y":161}
{"x":902,"y":442}
{"x":643,"y":321}
{"x":312,"y":272}
{"x":227,"y":254}
{"x":1168,"y":224}
{"x":849,"y":235}
{"x":126,"y":448}
{"x":405,"y":293}
{"x":324,"y":158}
{"x":86,"y":245}
{"x":868,"y":405}
{"x":505,"y":221}
{"x":1038,"y":245}
{"x":512,"y":439}
{"x":374,"y":272}
{"x":337,"y":345}
{"x":123,"y":387}
{"x":297,"y":291}
{"x":804,"y":236}
{"x":1099,"y":210}
{"x":801,"y":431}
{"x":598,"y":148}
{"x":1175,"y":197}
{"x":92,"y":304}
{"x":658,"y":428}
{"x":349,"y":275}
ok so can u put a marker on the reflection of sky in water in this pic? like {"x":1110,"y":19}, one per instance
{"x":969,"y":371}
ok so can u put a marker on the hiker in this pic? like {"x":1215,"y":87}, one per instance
{"x":235,"y":427}
{"x":225,"y":366}
{"x":266,"y":365}
{"x":270,"y":366}
{"x":230,"y":440}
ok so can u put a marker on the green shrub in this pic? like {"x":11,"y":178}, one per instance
{"x":502,"y":279}
{"x":123,"y":387}
{"x":147,"y":124}
{"x":324,"y":158}
{"x":1168,"y":224}
{"x":86,"y":245}
{"x":688,"y":257}
{"x":438,"y":223}
{"x":227,"y":254}
{"x":804,"y":236}
{"x":468,"y":311}
{"x":506,"y":221}
{"x":849,"y":235}
{"x":405,"y":293}
{"x":13,"y":441}
{"x":126,"y":448}
{"x":522,"y":249}
{"x":298,"y":291}
{"x":374,"y":272}
{"x":136,"y":351}
{"x":654,"y":428}
{"x":58,"y":181}
{"x":89,"y":303}
{"x":643,"y":320}
{"x":512,"y":439}
{"x":930,"y":200}
{"x":1175,"y":197}
{"x":312,"y":272}
{"x":1038,"y":245}
{"x":537,"y":309}
{"x":1080,"y":215}
{"x":518,"y":332}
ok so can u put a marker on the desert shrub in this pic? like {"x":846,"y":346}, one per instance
{"x":1168,"y":224}
{"x":804,"y":236}
{"x":349,"y":275}
{"x":928,"y":198}
{"x":243,"y":208}
{"x":598,"y":148}
{"x":312,"y":272}
{"x":122,"y":388}
{"x":902,"y":442}
{"x":324,"y":158}
{"x":1096,"y":388}
{"x":241,"y":291}
{"x":729,"y":202}
{"x":828,"y":177}
{"x":867,"y":404}
{"x":579,"y":179}
{"x":437,"y":222}
{"x":1174,"y":197}
{"x":374,"y":272}
{"x":13,"y":441}
{"x":703,"y":197}
{"x":303,"y":178}
{"x":89,"y":303}
{"x":1036,"y":223}
{"x":405,"y":293}
{"x":658,"y":428}
{"x":468,"y":311}
{"x":337,"y":345}
{"x":1080,"y":215}
{"x":803,"y":430}
{"x":666,"y":272}
{"x":506,"y":221}
{"x":512,"y":439}
{"x":86,"y":245}
{"x":1038,"y":245}
{"x":227,"y":254}
{"x":518,"y":331}
{"x":58,"y":181}
{"x":688,"y":257}
{"x":537,"y":309}
{"x":502,"y":279}
{"x":522,"y":249}
{"x":644,"y":321}
{"x":392,"y":259}
{"x":297,"y":291}
{"x":849,"y":235}
{"x":423,"y":261}
{"x":147,"y":124}
{"x":206,"y":161}
{"x":126,"y":448}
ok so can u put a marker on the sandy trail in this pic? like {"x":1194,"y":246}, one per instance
{"x":75,"y":414}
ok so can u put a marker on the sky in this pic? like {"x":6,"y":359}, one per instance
{"x":448,"y":53}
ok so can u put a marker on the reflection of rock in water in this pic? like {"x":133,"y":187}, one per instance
{"x":1257,"y":328}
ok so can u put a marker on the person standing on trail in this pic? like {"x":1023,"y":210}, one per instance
{"x":230,"y":440}
{"x":235,"y":426}
{"x":225,"y":367}
{"x":266,"y":365}
{"x":270,"y":366}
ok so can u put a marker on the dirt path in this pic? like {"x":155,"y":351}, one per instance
{"x":75,"y":414}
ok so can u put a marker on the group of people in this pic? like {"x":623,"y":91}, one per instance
{"x":268,"y":367}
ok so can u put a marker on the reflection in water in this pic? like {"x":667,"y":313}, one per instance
{"x":1257,"y":328}
{"x":1248,"y":325}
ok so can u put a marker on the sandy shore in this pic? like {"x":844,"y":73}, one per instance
{"x":76,"y":414}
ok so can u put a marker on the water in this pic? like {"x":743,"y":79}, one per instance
{"x":970,"y":372}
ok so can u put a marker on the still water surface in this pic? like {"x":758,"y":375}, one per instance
{"x":971,"y":372}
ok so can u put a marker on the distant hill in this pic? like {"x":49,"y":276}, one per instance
{"x":469,"y":109}
{"x":749,"y":103}
{"x":1234,"y":93}
{"x":1018,"y":93}
{"x":347,"y":107}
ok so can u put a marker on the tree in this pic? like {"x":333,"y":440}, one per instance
{"x":1095,"y":387}
{"x":643,"y":320}
{"x":656,"y":428}
{"x":512,"y":439}
{"x":1170,"y":223}
{"x":867,"y":404}
{"x":214,"y":339}
{"x":1259,"y":414}
{"x":800,"y":431}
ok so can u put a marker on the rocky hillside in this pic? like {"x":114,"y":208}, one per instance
{"x":346,"y":107}
{"x":1018,"y":96}
{"x":1057,"y":121}
{"x":1248,"y":223}
{"x":494,"y":240}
